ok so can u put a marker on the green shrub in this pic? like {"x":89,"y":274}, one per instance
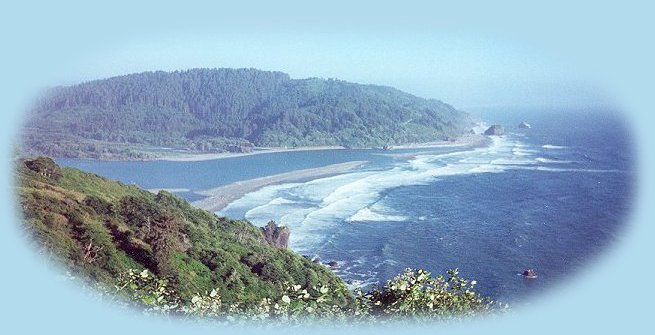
{"x":413,"y":296}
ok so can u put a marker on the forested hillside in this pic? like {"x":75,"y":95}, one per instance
{"x":214,"y":110}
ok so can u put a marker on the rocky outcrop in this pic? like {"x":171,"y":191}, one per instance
{"x":44,"y":166}
{"x":277,"y":236}
{"x":524,"y":125}
{"x":496,"y":130}
{"x":530,"y":273}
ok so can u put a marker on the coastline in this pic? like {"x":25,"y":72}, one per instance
{"x":197,"y":157}
{"x":462,"y":144}
{"x":473,"y":140}
{"x":219,"y":197}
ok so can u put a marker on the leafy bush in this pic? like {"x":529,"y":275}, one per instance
{"x":412,"y":296}
{"x":417,"y":294}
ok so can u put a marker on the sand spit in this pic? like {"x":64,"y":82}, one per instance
{"x":219,"y":197}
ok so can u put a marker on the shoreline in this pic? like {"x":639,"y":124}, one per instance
{"x":198,"y":157}
{"x":219,"y":197}
{"x":468,"y":143}
{"x":170,"y":155}
{"x":465,"y":140}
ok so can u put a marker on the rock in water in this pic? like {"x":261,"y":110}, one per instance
{"x":277,"y":236}
{"x":530,"y":273}
{"x":524,"y":125}
{"x":495,"y":130}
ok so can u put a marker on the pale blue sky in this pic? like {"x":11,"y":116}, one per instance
{"x":560,"y":47}
{"x":466,"y":71}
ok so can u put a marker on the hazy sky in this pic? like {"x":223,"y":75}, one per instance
{"x":461,"y":70}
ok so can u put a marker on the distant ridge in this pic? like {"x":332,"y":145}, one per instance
{"x":215,"y":110}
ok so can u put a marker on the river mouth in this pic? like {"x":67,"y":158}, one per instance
{"x":550,"y":198}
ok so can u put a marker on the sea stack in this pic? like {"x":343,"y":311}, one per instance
{"x":496,"y":130}
{"x":530,"y":274}
{"x":524,"y":125}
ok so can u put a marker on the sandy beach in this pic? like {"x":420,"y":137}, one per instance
{"x":218,"y":198}
{"x":465,"y":140}
{"x":194,"y":157}
{"x":462,"y":141}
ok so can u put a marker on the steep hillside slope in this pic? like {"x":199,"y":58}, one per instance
{"x":101,"y":229}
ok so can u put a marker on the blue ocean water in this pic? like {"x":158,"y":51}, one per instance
{"x":552,"y":198}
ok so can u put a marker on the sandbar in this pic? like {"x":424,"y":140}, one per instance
{"x":219,"y":197}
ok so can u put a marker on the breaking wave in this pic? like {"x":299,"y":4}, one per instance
{"x":550,"y":146}
{"x":367,"y":214}
{"x":312,"y":207}
{"x":552,"y":161}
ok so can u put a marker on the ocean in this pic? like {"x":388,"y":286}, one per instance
{"x":554,"y":198}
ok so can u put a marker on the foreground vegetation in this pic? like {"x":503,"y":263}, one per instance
{"x":414,"y":296}
{"x":103,"y":228}
{"x":215,"y":110}
{"x":157,"y":252}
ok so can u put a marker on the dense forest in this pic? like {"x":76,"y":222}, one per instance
{"x":156,"y":252}
{"x":215,"y":110}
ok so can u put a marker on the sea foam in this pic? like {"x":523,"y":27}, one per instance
{"x":550,"y":146}
{"x":367,"y":214}
{"x":552,"y":161}
{"x":312,"y":207}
